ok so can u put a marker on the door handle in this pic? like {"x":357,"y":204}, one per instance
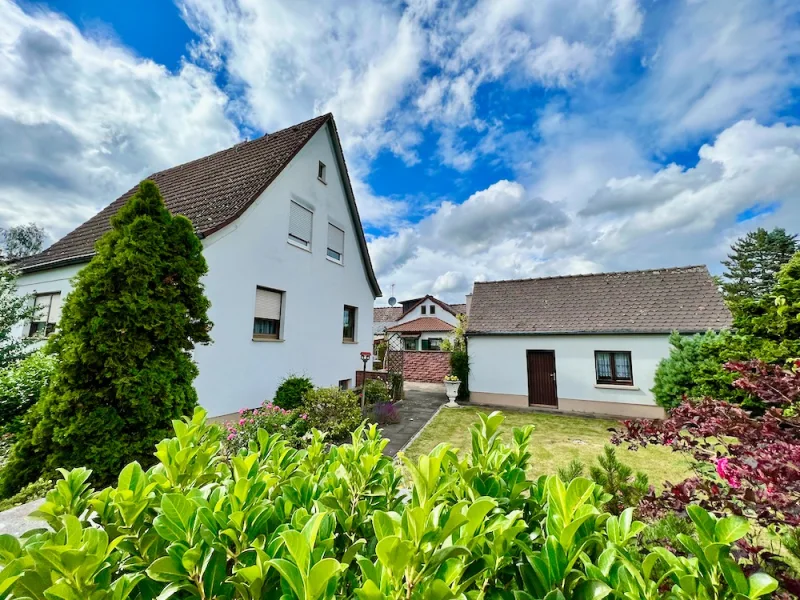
{"x":553,"y":375}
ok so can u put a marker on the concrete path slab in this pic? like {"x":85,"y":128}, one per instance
{"x":421,"y":402}
{"x":16,"y":520}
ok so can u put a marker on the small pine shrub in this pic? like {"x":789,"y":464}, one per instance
{"x":334,"y":411}
{"x":572,"y":471}
{"x":618,"y":479}
{"x":291,"y":391}
{"x":665,"y":531}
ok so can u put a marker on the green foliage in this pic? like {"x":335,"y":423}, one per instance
{"x":124,"y":345}
{"x":695,"y":368}
{"x":22,"y":384}
{"x":32,"y":491}
{"x":773,"y":322}
{"x":375,"y":391}
{"x":618,"y":481}
{"x":446,"y":345}
{"x":573,"y":470}
{"x":277,"y":523}
{"x":13,"y":310}
{"x":334,"y":411}
{"x":396,"y":386}
{"x":291,"y":391}
{"x":666,"y":530}
{"x":459,"y":366}
{"x":268,"y":417}
{"x":382,"y":348}
{"x":754,"y":263}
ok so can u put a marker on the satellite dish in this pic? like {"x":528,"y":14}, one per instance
{"x":392,"y":301}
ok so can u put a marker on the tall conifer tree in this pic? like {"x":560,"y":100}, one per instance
{"x":754,"y":262}
{"x":124,"y":341}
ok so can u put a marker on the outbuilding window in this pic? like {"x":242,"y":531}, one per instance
{"x":613,"y":367}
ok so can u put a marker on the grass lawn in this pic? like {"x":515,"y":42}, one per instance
{"x":556,"y":441}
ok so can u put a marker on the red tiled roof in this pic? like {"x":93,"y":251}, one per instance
{"x":420,"y":325}
{"x":682,"y":299}
{"x":212,"y":192}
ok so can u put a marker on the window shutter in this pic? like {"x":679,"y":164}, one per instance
{"x":41,"y":306}
{"x":268,"y":304}
{"x":55,"y":309}
{"x":300,"y":222}
{"x":335,"y":239}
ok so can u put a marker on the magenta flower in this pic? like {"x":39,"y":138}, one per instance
{"x":231,"y":436}
{"x":724,"y":471}
{"x":304,"y":416}
{"x":242,"y":421}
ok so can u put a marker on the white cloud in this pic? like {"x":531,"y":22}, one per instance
{"x":88,"y":119}
{"x":558,"y":63}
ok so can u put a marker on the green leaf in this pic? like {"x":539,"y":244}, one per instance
{"x":297,"y":545}
{"x":385,"y":523}
{"x":761,"y":584}
{"x":734,"y":576}
{"x":321,"y":573}
{"x":393,"y":553}
{"x":730,"y":529}
{"x":165,"y":569}
{"x":592,"y":590}
{"x":703,"y":521}
{"x":290,"y":575}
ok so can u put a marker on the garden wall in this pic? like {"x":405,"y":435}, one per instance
{"x":428,"y":366}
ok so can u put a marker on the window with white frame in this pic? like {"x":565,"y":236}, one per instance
{"x":613,"y":367}
{"x":47,"y":313}
{"x":267,"y":319}
{"x":301,"y":221}
{"x":322,"y":172}
{"x":335,"y":242}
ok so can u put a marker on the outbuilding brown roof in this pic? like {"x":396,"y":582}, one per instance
{"x":386,"y":314}
{"x":682,"y":299}
{"x":212,"y":192}
{"x":420,"y":325}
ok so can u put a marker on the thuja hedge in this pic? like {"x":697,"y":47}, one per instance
{"x":346,"y":521}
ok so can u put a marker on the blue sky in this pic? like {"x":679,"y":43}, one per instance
{"x":486,"y":139}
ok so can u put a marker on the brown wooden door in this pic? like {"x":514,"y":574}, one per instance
{"x":542,"y":378}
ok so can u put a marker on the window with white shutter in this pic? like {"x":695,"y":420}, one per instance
{"x":267,"y":320}
{"x":335,"y":242}
{"x":301,"y":221}
{"x":47,"y":314}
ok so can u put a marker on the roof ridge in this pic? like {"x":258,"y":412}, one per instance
{"x":576,"y":275}
{"x":207,"y":157}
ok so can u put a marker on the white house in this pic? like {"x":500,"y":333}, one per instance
{"x":290,"y":280}
{"x":585,"y":343}
{"x":423,"y":323}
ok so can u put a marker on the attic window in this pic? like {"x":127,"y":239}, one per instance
{"x":433,"y":309}
{"x":423,"y":308}
{"x":321,"y":172}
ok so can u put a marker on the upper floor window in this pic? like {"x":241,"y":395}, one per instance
{"x":301,"y":221}
{"x":424,"y":309}
{"x":349,"y":324}
{"x":47,"y":314}
{"x":335,"y":242}
{"x":267,"y":318}
{"x":614,"y":367}
{"x":322,"y":172}
{"x":433,"y":309}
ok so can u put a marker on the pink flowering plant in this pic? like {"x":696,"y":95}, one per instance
{"x":291,"y":424}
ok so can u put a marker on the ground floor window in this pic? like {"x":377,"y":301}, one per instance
{"x":344,"y":384}
{"x":47,"y":314}
{"x":410,"y":343}
{"x":432,"y":344}
{"x":613,"y":367}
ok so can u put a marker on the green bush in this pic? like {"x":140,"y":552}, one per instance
{"x":333,"y":411}
{"x":375,"y":391}
{"x":21,"y":385}
{"x":269,"y":417}
{"x":618,"y":481}
{"x":459,"y":366}
{"x":348,"y":522}
{"x":695,"y":369}
{"x":291,"y":391}
{"x":124,"y":348}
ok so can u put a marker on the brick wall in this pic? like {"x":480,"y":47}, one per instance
{"x":428,"y":366}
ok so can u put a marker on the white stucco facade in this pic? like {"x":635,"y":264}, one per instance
{"x":237,"y":371}
{"x":439,"y":313}
{"x":499,"y":371}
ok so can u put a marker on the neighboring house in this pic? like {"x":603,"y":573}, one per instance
{"x":417,"y":328}
{"x":290,"y":280}
{"x":584,"y":343}
{"x":423,"y":323}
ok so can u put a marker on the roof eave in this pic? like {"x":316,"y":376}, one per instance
{"x":592,"y":332}
{"x":56,"y":263}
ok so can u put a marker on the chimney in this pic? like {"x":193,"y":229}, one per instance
{"x":469,"y":303}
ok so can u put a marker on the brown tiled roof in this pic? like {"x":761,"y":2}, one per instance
{"x":386,"y":314}
{"x":460,"y":309}
{"x":655,"y":301}
{"x":212,"y":192}
{"x":422,"y":324}
{"x":417,"y":301}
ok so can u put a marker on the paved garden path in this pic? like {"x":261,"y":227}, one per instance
{"x":421,"y":403}
{"x":16,"y":520}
